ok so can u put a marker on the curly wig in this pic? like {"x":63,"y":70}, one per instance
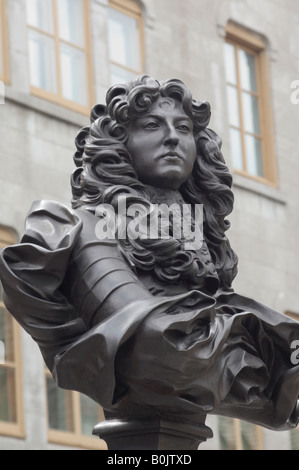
{"x":105,"y":172}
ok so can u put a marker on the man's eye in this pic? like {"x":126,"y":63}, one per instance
{"x":184,"y":128}
{"x":151,"y":125}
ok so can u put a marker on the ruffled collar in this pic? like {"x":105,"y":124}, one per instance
{"x":164,"y":195}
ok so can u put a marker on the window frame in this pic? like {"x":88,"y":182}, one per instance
{"x":73,"y":438}
{"x":4,"y":77}
{"x":14,"y":429}
{"x":253,"y":44}
{"x":130,"y":8}
{"x":87,"y":49}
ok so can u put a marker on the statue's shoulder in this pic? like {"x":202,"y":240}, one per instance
{"x":51,"y":224}
{"x":47,"y":209}
{"x":44,"y":210}
{"x":54,"y":226}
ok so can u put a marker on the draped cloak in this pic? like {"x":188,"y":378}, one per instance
{"x":103,"y":333}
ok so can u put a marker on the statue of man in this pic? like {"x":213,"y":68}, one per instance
{"x":150,"y":324}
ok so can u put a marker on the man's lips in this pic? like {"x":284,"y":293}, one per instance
{"x":173,"y":156}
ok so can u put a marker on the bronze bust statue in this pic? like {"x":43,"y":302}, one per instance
{"x":143,"y":325}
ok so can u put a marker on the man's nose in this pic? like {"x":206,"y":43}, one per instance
{"x":171,"y":136}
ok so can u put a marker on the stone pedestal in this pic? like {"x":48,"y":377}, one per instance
{"x":154,"y":434}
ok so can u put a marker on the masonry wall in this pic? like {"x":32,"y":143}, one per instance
{"x":183,"y":39}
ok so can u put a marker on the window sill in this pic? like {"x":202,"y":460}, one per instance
{"x":65,"y":438}
{"x":259,"y":188}
{"x":16,"y":431}
{"x":45,"y":107}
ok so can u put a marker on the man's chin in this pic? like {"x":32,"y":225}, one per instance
{"x":171,"y":180}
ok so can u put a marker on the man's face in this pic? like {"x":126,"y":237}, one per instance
{"x":162,"y":145}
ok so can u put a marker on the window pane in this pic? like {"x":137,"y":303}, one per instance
{"x":247,"y":70}
{"x":124,"y":39}
{"x":73,"y":74}
{"x":40,"y":14}
{"x":236,"y":149}
{"x":294,"y":435}
{"x":249,"y":436}
{"x":42,"y":62}
{"x":7,"y":395}
{"x":6,"y":337}
{"x":90,"y":414}
{"x":227,"y":435}
{"x":60,"y":407}
{"x":254,"y":156}
{"x":120,"y":75}
{"x":230,"y":64}
{"x":233,"y":106}
{"x":71,"y":21}
{"x":250,"y":113}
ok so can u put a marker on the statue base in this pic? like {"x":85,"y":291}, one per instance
{"x":153,"y":434}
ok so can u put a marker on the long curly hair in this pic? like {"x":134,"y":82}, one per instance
{"x":105,"y":172}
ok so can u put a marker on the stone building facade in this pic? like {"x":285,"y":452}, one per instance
{"x":240,"y":55}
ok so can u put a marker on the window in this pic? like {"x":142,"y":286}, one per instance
{"x":125,"y":38}
{"x":72,"y":417}
{"x":239,"y":435}
{"x":11,"y":407}
{"x":59,"y":52}
{"x":3,"y":45}
{"x":294,"y":438}
{"x":247,"y":87}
